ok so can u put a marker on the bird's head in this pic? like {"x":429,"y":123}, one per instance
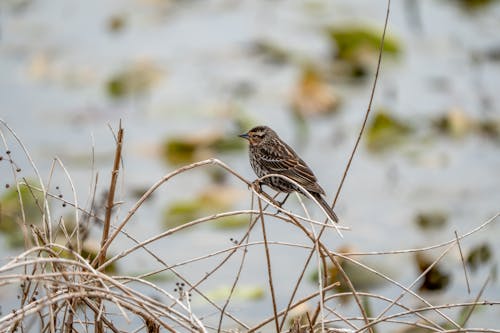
{"x":258,"y":135}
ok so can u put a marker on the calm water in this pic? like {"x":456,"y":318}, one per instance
{"x":56,"y":57}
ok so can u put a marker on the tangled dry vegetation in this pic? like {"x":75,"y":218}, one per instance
{"x":61,"y":287}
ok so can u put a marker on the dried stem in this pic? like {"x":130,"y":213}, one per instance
{"x":269,"y":270}
{"x":463,"y":262}
{"x":111,"y":196}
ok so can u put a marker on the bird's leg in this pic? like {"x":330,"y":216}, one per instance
{"x":280,"y":204}
{"x":257,"y":186}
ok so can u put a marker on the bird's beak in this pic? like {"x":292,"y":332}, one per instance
{"x":244,"y":136}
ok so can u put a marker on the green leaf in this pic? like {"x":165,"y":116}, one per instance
{"x":385,"y":131}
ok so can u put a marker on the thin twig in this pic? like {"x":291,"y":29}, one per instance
{"x":369,"y":108}
{"x":269,"y":271}
{"x":233,"y":287}
{"x":471,"y":309}
{"x":463,"y":262}
{"x":75,"y":203}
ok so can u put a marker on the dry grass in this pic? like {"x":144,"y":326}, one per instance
{"x":62,"y":290}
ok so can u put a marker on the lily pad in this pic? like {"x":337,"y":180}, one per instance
{"x":464,"y":315}
{"x":362,"y":279}
{"x":313,"y":96}
{"x":455,"y":123}
{"x":181,"y":150}
{"x":155,"y":278}
{"x":213,"y":200}
{"x":359,"y":46}
{"x":271,"y":52}
{"x":116,"y":23}
{"x":490,"y":128}
{"x":91,"y":252}
{"x":219,"y":197}
{"x":181,"y":212}
{"x":11,"y":213}
{"x":90,"y":249}
{"x":232,"y":222}
{"x":431,"y":220}
{"x":473,"y":4}
{"x":138,"y":79}
{"x":478,"y":256}
{"x":350,"y":41}
{"x":187,"y":149}
{"x":241,"y":293}
{"x":435,"y":279}
{"x":416,"y":329}
{"x":385,"y":131}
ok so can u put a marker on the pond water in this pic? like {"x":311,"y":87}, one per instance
{"x":58,"y":57}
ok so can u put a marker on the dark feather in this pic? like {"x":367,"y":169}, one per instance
{"x":292,"y":167}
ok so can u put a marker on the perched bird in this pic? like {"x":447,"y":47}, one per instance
{"x":270,"y":155}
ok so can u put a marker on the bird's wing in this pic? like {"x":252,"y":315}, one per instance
{"x":287,"y":163}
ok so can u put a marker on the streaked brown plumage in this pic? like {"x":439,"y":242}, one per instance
{"x":269,"y":154}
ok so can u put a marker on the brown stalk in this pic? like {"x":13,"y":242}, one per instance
{"x":463,"y":262}
{"x":101,"y":257}
{"x":111,"y":197}
{"x":269,"y":272}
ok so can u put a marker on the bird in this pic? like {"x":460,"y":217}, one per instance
{"x":269,"y":154}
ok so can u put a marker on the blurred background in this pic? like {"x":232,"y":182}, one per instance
{"x":185,"y":77}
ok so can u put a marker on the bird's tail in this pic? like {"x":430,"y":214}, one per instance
{"x":326,"y":207}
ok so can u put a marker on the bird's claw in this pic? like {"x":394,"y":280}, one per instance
{"x":256,"y":186}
